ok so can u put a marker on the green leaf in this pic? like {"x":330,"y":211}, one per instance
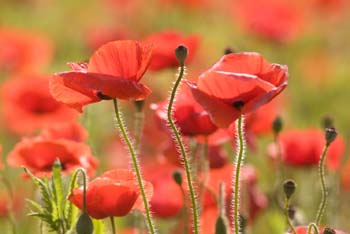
{"x":99,"y":227}
{"x":57,"y":191}
{"x":71,"y":211}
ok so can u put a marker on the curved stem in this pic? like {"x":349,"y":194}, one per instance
{"x":323,"y":203}
{"x":111,"y":218}
{"x":83,"y":172}
{"x":312,"y":226}
{"x":183,"y":152}
{"x":125,"y":136}
{"x":238,"y":162}
{"x":286,"y":210}
{"x":9,"y":190}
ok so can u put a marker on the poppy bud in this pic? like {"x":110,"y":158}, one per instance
{"x":181,"y":54}
{"x":328,"y":231}
{"x":84,"y":224}
{"x":242,"y":223}
{"x":330,"y":135}
{"x":220,"y":226}
{"x":277,"y":125}
{"x":177,"y":176}
{"x":228,"y":50}
{"x":289,"y":187}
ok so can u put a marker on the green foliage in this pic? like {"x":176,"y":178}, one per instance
{"x":54,"y":209}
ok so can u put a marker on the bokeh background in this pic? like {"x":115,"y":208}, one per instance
{"x":310,"y":36}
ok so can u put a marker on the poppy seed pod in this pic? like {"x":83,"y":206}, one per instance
{"x":181,"y":54}
{"x":84,"y":224}
{"x":330,"y":135}
{"x":277,"y":125}
{"x":289,"y":187}
{"x":177,"y":176}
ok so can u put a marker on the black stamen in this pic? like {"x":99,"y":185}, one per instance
{"x":238,"y":104}
{"x":102,"y":96}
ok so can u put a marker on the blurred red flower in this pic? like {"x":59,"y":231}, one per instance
{"x":272,"y":19}
{"x":167,"y":200}
{"x":304,"y":148}
{"x":238,"y":83}
{"x":69,"y":130}
{"x":345,"y":178}
{"x":189,"y":116}
{"x":5,"y":203}
{"x":1,"y":164}
{"x":39,"y":154}
{"x":113,"y":71}
{"x":28,"y":105}
{"x":303,"y":230}
{"x":165,"y":44}
{"x":114,"y":193}
{"x":22,"y":50}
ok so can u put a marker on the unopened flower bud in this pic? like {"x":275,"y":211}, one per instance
{"x":289,"y":187}
{"x":277,"y":125}
{"x":221,"y":225}
{"x":84,"y":224}
{"x":177,"y":176}
{"x":181,"y":54}
{"x":328,"y":231}
{"x":330,"y":135}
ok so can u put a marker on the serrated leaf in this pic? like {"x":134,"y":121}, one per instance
{"x":35,"y":205}
{"x":57,"y":191}
{"x":71,"y":211}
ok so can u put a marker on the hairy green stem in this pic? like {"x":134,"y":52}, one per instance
{"x":183,"y":152}
{"x":83,"y":172}
{"x":323,"y":203}
{"x":124,"y":134}
{"x":238,"y":163}
{"x":312,"y":226}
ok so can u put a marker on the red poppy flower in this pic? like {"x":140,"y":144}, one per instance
{"x":238,"y":83}
{"x":304,"y":148}
{"x":346,"y":176}
{"x":167,"y":200}
{"x":70,"y":131}
{"x":272,"y":19}
{"x":189,"y":116}
{"x":5,"y":201}
{"x":165,"y":44}
{"x":114,"y":193}
{"x":22,"y":51}
{"x":28,"y":105}
{"x":39,"y":154}
{"x":113,"y":71}
{"x":303,"y":230}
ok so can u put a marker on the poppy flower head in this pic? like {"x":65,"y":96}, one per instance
{"x":304,"y":148}
{"x":28,"y":105}
{"x":238,"y":84}
{"x":23,"y":51}
{"x":39,"y":154}
{"x":70,"y":131}
{"x":113,"y":71}
{"x":165,"y":44}
{"x":191,"y":118}
{"x":114,"y":193}
{"x":271,"y":19}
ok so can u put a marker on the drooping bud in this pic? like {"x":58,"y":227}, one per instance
{"x":181,"y":54}
{"x":289,"y":187}
{"x":277,"y":125}
{"x":84,"y":224}
{"x":328,"y":231}
{"x":330,"y":135}
{"x":177,"y":176}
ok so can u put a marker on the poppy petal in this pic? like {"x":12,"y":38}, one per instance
{"x":221,"y":113}
{"x":73,"y":97}
{"x":126,"y":59}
